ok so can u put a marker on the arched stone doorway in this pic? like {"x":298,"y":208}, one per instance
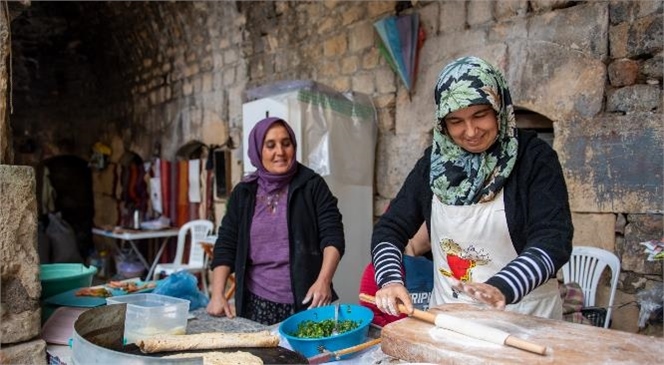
{"x":530,"y":120}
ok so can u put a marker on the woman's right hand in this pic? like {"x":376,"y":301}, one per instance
{"x":390,"y":295}
{"x":219,"y":307}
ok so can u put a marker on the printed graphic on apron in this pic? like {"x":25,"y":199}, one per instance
{"x":461,"y":261}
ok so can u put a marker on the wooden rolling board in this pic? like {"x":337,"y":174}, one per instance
{"x":413,"y":340}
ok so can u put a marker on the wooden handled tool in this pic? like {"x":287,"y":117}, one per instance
{"x":327,"y":355}
{"x":468,"y":328}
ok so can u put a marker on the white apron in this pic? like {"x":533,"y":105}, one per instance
{"x":472,"y":243}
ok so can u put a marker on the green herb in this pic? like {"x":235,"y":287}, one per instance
{"x":311,"y":329}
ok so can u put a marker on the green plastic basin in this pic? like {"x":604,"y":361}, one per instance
{"x":58,"y":278}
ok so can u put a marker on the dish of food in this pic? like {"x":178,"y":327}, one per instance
{"x":313,"y":329}
{"x":116,"y":288}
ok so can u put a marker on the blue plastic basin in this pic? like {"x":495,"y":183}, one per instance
{"x":310,"y":346}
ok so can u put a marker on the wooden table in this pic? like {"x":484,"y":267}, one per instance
{"x":569,"y":343}
{"x":131,"y":236}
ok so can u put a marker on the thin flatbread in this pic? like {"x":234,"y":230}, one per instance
{"x":207,"y":341}
{"x":221,"y":358}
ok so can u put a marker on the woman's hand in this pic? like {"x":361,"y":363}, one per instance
{"x":320,"y":294}
{"x":219,"y":307}
{"x":482,"y":292}
{"x":390,"y":295}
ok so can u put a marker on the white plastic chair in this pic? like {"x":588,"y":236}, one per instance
{"x":198,"y":229}
{"x":585,"y":268}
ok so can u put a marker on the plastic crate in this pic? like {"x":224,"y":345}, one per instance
{"x":596,"y":315}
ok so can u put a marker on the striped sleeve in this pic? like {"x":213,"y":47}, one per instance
{"x":387,"y":261}
{"x":525,"y":273}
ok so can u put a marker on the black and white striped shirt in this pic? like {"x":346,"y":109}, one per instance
{"x":524,"y":274}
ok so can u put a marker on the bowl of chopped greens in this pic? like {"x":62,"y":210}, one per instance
{"x":310,"y":332}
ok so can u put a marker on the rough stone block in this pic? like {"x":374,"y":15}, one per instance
{"x":480,"y":12}
{"x":349,"y":65}
{"x":643,"y":36}
{"x":352,"y":15}
{"x":509,"y":8}
{"x":361,"y":37}
{"x":628,"y":10}
{"x":385,"y":81}
{"x":454,"y":13}
{"x":623,"y":72}
{"x":377,"y":8}
{"x":31,"y":352}
{"x":335,"y":46}
{"x":613,"y":163}
{"x":596,"y":230}
{"x":640,"y":228}
{"x":371,"y":59}
{"x":635,"y":98}
{"x":624,"y":317}
{"x":364,"y":83}
{"x":341,"y":83}
{"x":545,"y":5}
{"x":582,"y":98}
{"x":429,"y":18}
{"x":652,"y":68}
{"x":19,"y":260}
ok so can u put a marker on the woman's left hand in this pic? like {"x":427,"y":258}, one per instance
{"x":482,"y":292}
{"x":319,"y":294}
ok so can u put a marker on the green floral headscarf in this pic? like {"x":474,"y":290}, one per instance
{"x":459,"y":177}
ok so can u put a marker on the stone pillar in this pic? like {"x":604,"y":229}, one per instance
{"x":20,"y":288}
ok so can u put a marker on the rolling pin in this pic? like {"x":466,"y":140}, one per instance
{"x":468,"y":328}
{"x":329,"y":356}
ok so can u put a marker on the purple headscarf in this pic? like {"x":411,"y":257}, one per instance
{"x":268,"y":181}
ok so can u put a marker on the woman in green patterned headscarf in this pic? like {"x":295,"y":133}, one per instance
{"x":459,"y":176}
{"x":493,"y":197}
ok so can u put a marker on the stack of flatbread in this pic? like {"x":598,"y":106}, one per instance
{"x":212,"y":341}
{"x":221,"y":358}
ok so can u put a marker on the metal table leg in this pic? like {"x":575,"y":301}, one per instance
{"x":150,"y":275}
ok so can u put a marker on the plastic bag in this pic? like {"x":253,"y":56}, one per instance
{"x":649,"y":301}
{"x":183,"y":285}
{"x":62,"y":240}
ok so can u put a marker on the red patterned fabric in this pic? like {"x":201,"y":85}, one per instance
{"x":165,"y":177}
{"x":182,"y":193}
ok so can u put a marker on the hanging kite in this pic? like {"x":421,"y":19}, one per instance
{"x":401,"y":38}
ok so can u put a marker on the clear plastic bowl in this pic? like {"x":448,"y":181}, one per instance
{"x":152,"y":314}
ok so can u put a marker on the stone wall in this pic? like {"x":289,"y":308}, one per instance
{"x":177,"y":71}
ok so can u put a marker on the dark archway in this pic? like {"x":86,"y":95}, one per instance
{"x":71,"y":180}
{"x":529,"y":120}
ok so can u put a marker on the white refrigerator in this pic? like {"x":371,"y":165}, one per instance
{"x":336,"y":134}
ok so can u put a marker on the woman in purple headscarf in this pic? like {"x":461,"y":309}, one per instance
{"x":282,"y":234}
